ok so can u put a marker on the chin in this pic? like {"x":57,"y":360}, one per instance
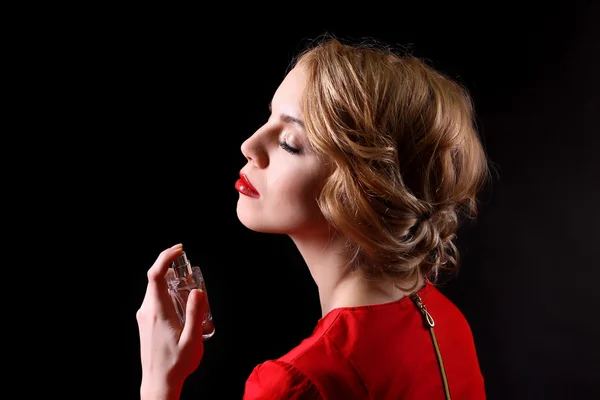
{"x":257,"y":223}
{"x":252,"y":220}
{"x":259,"y":227}
{"x":283,"y":222}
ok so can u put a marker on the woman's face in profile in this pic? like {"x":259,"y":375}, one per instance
{"x":287,"y":176}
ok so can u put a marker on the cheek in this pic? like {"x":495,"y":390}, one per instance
{"x":297,"y":192}
{"x":291,"y":189}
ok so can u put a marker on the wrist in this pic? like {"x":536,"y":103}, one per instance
{"x":153,"y":390}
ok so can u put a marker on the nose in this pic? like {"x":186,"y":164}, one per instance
{"x":255,"y":149}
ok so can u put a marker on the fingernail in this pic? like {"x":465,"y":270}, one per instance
{"x":177,"y":245}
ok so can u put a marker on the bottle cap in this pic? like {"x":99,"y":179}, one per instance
{"x":181,"y":266}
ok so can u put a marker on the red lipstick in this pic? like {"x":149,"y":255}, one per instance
{"x":244,"y":186}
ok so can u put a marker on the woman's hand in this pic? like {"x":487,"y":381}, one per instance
{"x":169,"y":353}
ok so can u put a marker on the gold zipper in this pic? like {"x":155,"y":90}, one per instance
{"x":431,"y":323}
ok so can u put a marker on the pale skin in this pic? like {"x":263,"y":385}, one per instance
{"x":288,"y":177}
{"x":169,"y":353}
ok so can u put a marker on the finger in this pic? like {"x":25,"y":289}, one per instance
{"x":157,"y":283}
{"x":194,"y":315}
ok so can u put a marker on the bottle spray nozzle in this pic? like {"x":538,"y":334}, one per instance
{"x":181,"y":266}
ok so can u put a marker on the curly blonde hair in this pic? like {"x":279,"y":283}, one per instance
{"x":406,"y":157}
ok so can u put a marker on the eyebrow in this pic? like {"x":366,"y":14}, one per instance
{"x":289,"y":119}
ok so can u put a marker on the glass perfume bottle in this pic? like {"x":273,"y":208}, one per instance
{"x":184,"y":279}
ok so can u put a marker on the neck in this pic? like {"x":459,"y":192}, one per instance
{"x":337,"y":288}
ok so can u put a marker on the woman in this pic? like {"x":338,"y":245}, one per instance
{"x":366,"y":162}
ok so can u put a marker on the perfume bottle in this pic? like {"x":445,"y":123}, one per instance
{"x":186,"y":278}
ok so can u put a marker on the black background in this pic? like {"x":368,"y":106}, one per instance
{"x":149,"y":106}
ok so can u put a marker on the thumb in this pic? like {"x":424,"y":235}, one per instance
{"x":194,"y":315}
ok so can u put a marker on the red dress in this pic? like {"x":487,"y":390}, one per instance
{"x":379,"y":352}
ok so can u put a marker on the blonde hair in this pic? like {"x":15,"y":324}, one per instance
{"x":405,"y":154}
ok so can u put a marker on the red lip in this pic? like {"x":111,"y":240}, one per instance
{"x":244,"y":186}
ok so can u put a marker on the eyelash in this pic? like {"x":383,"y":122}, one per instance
{"x":288,"y":148}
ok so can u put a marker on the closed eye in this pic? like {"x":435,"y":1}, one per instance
{"x":289,"y":149}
